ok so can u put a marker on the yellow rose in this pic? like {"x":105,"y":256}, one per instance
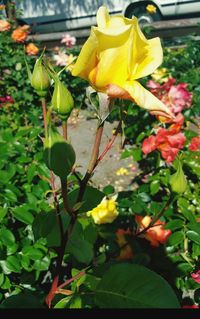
{"x":105,"y":212}
{"x":117,"y":54}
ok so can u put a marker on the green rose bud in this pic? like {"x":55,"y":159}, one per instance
{"x":59,"y":155}
{"x":62,"y":100}
{"x":40,"y":79}
{"x":178,"y":180}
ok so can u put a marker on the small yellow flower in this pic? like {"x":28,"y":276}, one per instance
{"x":160,"y":75}
{"x":105,"y":212}
{"x":2,"y":6}
{"x":151,"y":9}
{"x":122,"y":172}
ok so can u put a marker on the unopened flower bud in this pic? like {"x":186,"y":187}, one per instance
{"x":178,"y":180}
{"x":40,"y":79}
{"x":62,"y":100}
{"x":59,"y":155}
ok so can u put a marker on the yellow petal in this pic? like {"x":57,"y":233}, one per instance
{"x":87,"y":59}
{"x":147,"y":55}
{"x":112,"y":60}
{"x":102,"y":17}
{"x":134,"y":91}
{"x":145,"y":99}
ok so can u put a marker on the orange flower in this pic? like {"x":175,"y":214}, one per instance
{"x":20,"y":34}
{"x":32,"y":49}
{"x":4,"y":25}
{"x":126,"y":252}
{"x":155,"y":234}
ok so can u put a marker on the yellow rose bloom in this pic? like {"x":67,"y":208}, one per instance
{"x":105,"y":212}
{"x":115,"y":56}
{"x":151,"y":9}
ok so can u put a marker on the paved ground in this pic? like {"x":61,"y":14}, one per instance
{"x":112,"y":169}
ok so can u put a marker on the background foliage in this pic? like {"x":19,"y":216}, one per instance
{"x":29,"y":236}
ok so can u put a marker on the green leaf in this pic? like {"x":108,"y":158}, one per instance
{"x":7,"y":237}
{"x":92,"y":197}
{"x":22,"y":300}
{"x":3,"y":212}
{"x":134,"y":286}
{"x":75,"y":302}
{"x":174,"y":224}
{"x":31,"y":172}
{"x":80,"y":248}
{"x":46,"y":226}
{"x":32,"y":253}
{"x":6,"y":284}
{"x":23,"y":214}
{"x":137,"y":154}
{"x":176,"y":238}
{"x":10,"y":195}
{"x":154,"y":187}
{"x":195,"y":250}
{"x":194,"y":236}
{"x":183,"y":204}
{"x":109,"y":189}
{"x":185,"y":268}
{"x":63,"y":303}
{"x":11,"y":264}
{"x":42,"y":264}
{"x":195,"y":227}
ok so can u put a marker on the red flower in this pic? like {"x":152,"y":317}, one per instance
{"x":156,"y":234}
{"x":196,"y":276}
{"x":168,"y":142}
{"x":194,"y":144}
{"x":6,"y":99}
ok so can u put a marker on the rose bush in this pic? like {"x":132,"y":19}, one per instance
{"x":85,"y":247}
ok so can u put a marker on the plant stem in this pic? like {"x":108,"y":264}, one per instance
{"x":56,"y":204}
{"x":109,"y":145}
{"x":64,"y":127}
{"x":44,"y":109}
{"x":61,"y":254}
{"x":92,"y":163}
{"x":67,"y":208}
{"x":95,"y":150}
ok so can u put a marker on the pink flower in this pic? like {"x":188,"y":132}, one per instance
{"x":179,"y":97}
{"x":68,"y":40}
{"x":176,"y":97}
{"x":195,"y":144}
{"x":196,"y":276}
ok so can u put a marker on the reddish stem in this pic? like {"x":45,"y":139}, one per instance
{"x":67,"y":282}
{"x":109,"y":145}
{"x":64,"y":127}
